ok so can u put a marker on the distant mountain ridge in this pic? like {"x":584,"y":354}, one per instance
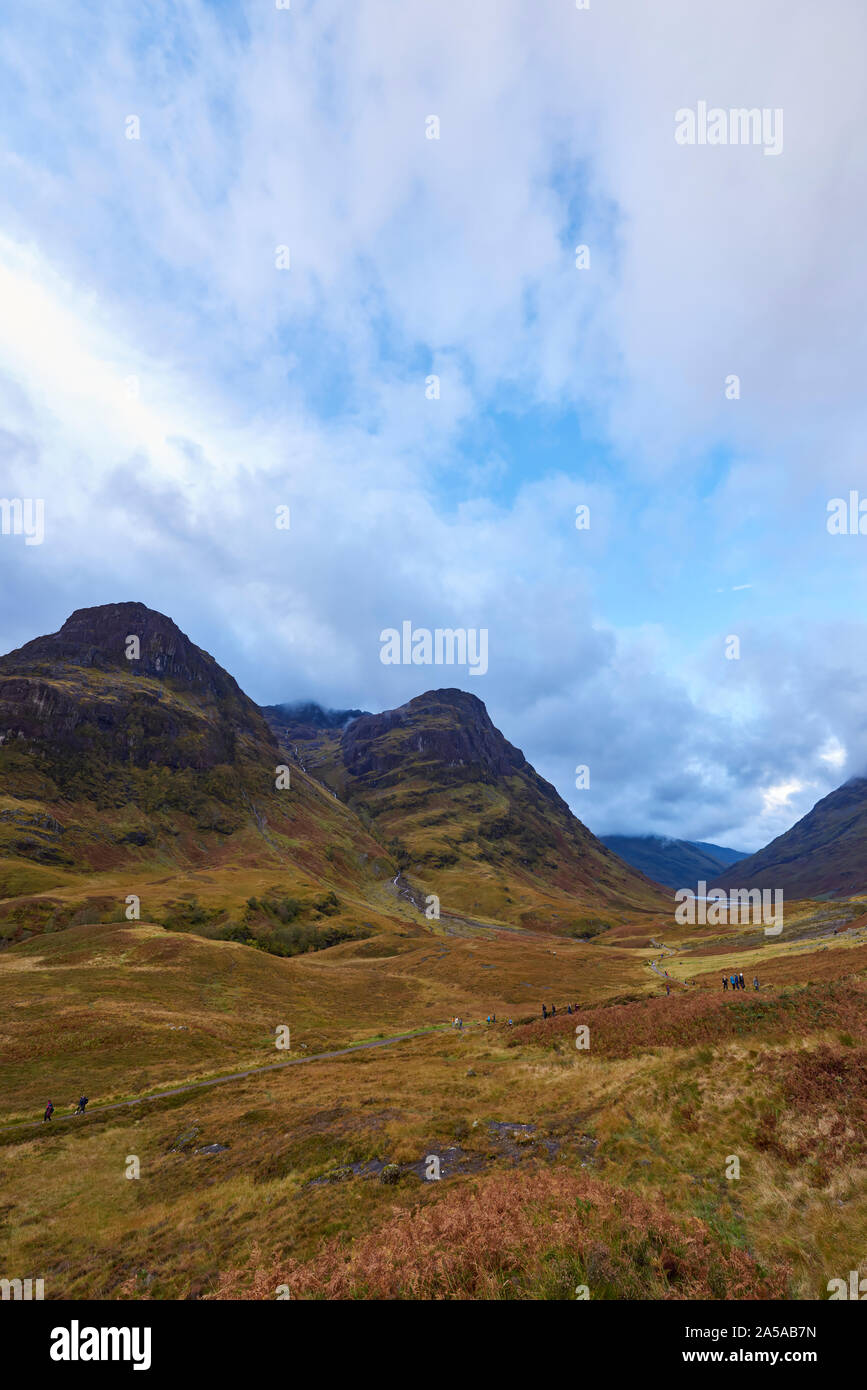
{"x":299,"y":717}
{"x":673,"y":863}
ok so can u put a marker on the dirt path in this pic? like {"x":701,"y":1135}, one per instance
{"x":669,"y":979}
{"x":232,"y":1076}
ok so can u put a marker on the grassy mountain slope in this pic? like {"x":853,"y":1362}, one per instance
{"x":824,"y":855}
{"x":471,"y":821}
{"x":122,"y":776}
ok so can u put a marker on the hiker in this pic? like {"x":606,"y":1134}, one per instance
{"x":725,"y":982}
{"x":741,"y":978}
{"x":510,"y":1023}
{"x":553,"y":1010}
{"x":544,"y":1011}
{"x":755,"y":982}
{"x":569,"y":1008}
{"x":493,"y":1018}
{"x":49,"y":1111}
{"x":668,"y":988}
{"x":82,"y":1102}
{"x":734,"y":981}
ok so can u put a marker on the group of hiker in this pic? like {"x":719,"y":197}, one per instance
{"x":737,"y":981}
{"x":491,"y":1018}
{"x":78,"y":1110}
{"x":552,"y":1012}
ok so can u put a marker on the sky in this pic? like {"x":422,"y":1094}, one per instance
{"x":238,"y":244}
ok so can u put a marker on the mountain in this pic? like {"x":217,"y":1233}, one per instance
{"x":131,"y":762}
{"x":305,"y":729}
{"x":824,"y":855}
{"x":304,"y":715}
{"x":674,"y":863}
{"x":469,"y":819}
{"x":725,"y":856}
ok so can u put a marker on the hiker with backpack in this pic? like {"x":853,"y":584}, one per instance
{"x":741,"y":978}
{"x":725,"y":982}
{"x":49,"y":1111}
{"x":80,"y":1107}
{"x":755,"y":982}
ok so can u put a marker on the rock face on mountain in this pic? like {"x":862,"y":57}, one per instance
{"x":79,"y":694}
{"x":824,"y":855}
{"x":100,"y":638}
{"x":468,"y":817}
{"x":116,"y":752}
{"x":449,"y":729}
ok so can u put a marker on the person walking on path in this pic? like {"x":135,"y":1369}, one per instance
{"x":544,"y":1011}
{"x":49,"y":1111}
{"x":741,"y":978}
{"x":725,"y":982}
{"x":80,"y":1107}
{"x":755,"y":982}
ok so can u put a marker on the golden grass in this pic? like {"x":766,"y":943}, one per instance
{"x":653,"y":1128}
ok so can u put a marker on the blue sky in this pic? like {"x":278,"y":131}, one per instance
{"x":164,"y":387}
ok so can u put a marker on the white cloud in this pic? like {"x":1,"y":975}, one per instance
{"x":155,"y":259}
